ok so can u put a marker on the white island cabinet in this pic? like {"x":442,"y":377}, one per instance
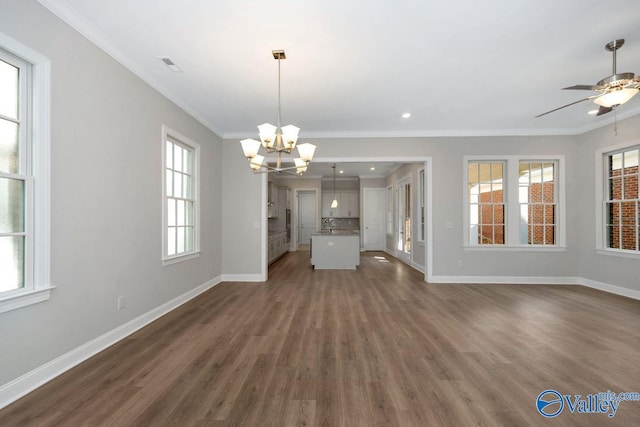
{"x":335,"y":251}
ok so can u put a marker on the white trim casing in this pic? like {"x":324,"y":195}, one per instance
{"x":601,"y":248}
{"x":40,"y":169}
{"x":167,"y":132}
{"x":512,"y":207}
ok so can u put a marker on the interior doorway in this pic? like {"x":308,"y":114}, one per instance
{"x":306,"y":218}
{"x":373,"y":216}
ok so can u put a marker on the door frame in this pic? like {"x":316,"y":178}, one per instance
{"x":294,"y":214}
{"x":428,"y":167}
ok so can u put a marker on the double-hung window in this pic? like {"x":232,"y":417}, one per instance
{"x":24,"y":179}
{"x":181,"y":191}
{"x":513,"y":202}
{"x":621,"y":206}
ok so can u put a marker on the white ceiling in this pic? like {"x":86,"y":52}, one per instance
{"x":353,"y":67}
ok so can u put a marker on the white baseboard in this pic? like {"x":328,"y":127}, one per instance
{"x":242,"y":278}
{"x":28,"y":382}
{"x":528,"y":280}
{"x":618,"y":290}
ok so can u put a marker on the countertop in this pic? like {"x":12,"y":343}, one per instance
{"x":337,"y":233}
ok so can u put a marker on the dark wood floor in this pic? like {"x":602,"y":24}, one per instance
{"x":377,"y":346}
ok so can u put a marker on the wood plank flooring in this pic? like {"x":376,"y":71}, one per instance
{"x":372,"y":347}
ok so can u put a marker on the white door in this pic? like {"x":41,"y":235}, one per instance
{"x":374,"y":221}
{"x":306,"y":216}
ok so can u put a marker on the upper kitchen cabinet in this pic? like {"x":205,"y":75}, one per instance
{"x":273,"y":200}
{"x":348,"y":204}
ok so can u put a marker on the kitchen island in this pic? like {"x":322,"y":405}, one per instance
{"x":335,"y":250}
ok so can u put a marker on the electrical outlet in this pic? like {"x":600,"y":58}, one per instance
{"x":122,"y":303}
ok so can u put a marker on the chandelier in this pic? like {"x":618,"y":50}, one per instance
{"x":277,"y":139}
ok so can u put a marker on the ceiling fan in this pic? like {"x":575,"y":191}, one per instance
{"x":614,"y":90}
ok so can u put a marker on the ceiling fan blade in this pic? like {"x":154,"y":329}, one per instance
{"x":603,"y":110}
{"x":584,"y":87}
{"x":564,"y":106}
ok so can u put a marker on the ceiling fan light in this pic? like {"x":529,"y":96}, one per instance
{"x":616,"y":97}
{"x":250,"y":147}
{"x":290,"y":136}
{"x":306,"y":151}
{"x":267,"y":134}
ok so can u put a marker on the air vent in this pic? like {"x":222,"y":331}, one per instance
{"x":171,"y":65}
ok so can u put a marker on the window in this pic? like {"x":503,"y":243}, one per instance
{"x":180,"y":207}
{"x":538,"y":202}
{"x":620,"y":204}
{"x":24,"y":176}
{"x":514,"y":202}
{"x":486,"y":203}
{"x":421,"y":205}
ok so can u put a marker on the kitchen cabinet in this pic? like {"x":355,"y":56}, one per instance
{"x":277,"y":245}
{"x":273,"y":199}
{"x":348,"y":204}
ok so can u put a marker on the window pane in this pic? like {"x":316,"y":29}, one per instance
{"x":190,"y":220}
{"x":177,"y":184}
{"x":169,"y":183}
{"x":177,"y":159}
{"x":186,"y":186}
{"x":9,"y":155}
{"x":631,"y":186}
{"x":171,"y":241}
{"x":615,"y":165}
{"x":629,"y":238}
{"x":12,"y":205}
{"x":180,"y":240}
{"x":171,"y":212}
{"x":187,"y":159}
{"x":188,"y":239}
{"x":9,"y":90}
{"x":11,"y":263}
{"x":180,"y":212}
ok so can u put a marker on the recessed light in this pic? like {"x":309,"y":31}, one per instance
{"x":593,"y":112}
{"x":341,"y":172}
{"x":406,"y":115}
{"x":372,"y":168}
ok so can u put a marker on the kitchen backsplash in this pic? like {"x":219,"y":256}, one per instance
{"x":341,"y":223}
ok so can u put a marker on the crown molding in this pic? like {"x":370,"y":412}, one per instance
{"x":97,"y":37}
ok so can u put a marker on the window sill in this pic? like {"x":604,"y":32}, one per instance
{"x":180,"y":258}
{"x":618,"y":253}
{"x":23,"y":299}
{"x":501,"y":248}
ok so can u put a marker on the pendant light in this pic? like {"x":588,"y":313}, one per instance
{"x":334,"y":202}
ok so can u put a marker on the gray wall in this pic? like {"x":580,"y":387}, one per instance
{"x":617,"y":271}
{"x":106,"y":194}
{"x":447,"y":155}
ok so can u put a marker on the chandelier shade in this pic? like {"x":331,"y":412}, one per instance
{"x":277,"y":139}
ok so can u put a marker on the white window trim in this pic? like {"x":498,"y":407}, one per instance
{"x":40,"y":130}
{"x":600,"y":159}
{"x":512,"y":235}
{"x":173,"y":259}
